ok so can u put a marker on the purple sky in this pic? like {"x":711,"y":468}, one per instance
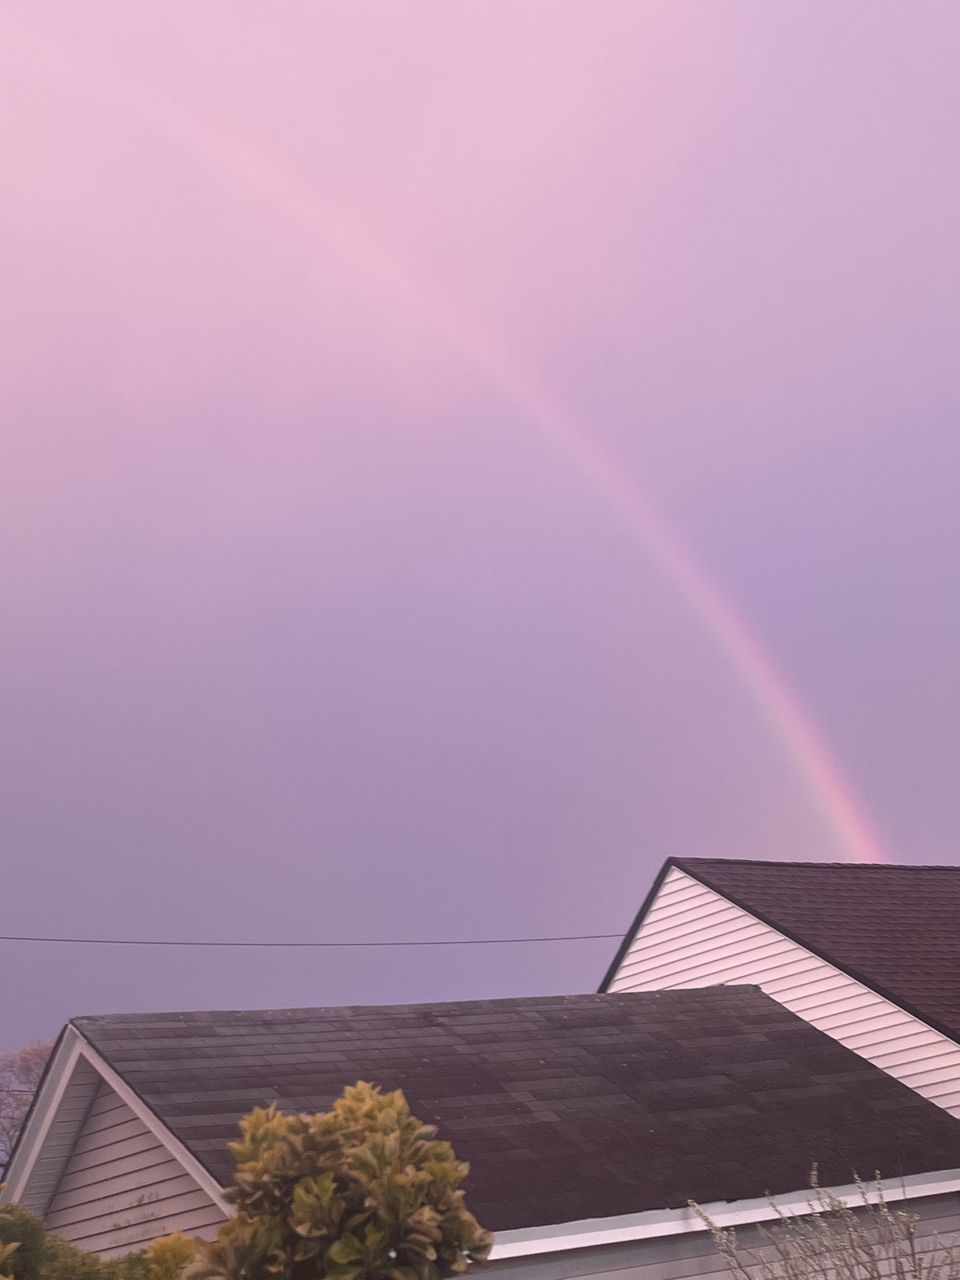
{"x":309,"y":628}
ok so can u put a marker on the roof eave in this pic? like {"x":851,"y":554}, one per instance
{"x":689,"y":867}
{"x":654,"y":1224}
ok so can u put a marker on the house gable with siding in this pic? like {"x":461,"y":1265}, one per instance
{"x":868,"y":954}
{"x":585,"y":1119}
{"x":97,"y":1166}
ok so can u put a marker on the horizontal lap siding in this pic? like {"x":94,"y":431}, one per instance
{"x":694,"y":937}
{"x":79,"y":1093}
{"x":121,"y":1187}
{"x":695,"y":1255}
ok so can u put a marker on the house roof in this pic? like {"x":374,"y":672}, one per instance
{"x":567,"y":1107}
{"x":896,"y":929}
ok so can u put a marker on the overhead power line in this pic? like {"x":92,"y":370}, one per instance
{"x":442,"y":942}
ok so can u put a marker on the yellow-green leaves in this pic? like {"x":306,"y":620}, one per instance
{"x":6,"y":1253}
{"x":363,"y":1191}
{"x":166,"y":1258}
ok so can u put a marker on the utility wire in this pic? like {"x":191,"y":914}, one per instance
{"x":443,"y":942}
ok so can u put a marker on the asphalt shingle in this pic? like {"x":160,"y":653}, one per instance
{"x":895,"y":928}
{"x":566,"y":1107}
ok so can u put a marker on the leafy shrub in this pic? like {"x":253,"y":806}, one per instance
{"x":166,"y":1258}
{"x":29,"y":1252}
{"x":25,"y":1233}
{"x":361,"y":1192}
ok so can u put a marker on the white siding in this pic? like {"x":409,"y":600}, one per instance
{"x":684,"y":1257}
{"x":80,"y":1091}
{"x":694,"y":937}
{"x":121,"y":1188}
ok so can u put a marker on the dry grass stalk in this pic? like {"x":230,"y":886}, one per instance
{"x":836,"y":1241}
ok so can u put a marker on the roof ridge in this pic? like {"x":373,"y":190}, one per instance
{"x":333,"y":1010}
{"x":795,"y":862}
{"x":866,"y":926}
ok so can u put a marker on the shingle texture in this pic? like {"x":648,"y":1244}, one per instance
{"x":566,"y":1107}
{"x":897,"y":929}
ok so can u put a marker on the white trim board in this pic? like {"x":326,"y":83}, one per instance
{"x":523,"y":1242}
{"x":59,"y":1074}
{"x":694,"y":936}
{"x":658,"y":1223}
{"x":73,"y":1049}
{"x":201,"y":1175}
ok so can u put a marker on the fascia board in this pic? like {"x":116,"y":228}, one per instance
{"x":74,"y":1047}
{"x":659,"y":1223}
{"x":42,"y":1115}
{"x":197,"y":1171}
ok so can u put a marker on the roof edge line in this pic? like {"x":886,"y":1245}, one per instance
{"x":198,"y":1171}
{"x":634,"y":929}
{"x":43,"y":1107}
{"x":657,"y":1223}
{"x":907,"y":1006}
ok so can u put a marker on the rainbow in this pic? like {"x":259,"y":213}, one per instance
{"x":767,"y":687}
{"x":372,"y":258}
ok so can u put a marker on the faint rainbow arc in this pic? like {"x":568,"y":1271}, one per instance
{"x":769,"y":690}
{"x":757,"y":673}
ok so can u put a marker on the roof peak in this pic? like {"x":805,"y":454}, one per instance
{"x":893,"y":928}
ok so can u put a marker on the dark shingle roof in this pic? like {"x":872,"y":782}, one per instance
{"x":895,"y":928}
{"x":567,"y":1107}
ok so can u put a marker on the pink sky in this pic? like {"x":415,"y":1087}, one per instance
{"x":299,"y":592}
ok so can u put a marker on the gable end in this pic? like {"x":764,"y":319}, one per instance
{"x":691,"y":868}
{"x":100,"y":1169}
{"x":691,"y":935}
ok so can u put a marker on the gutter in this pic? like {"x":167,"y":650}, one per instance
{"x":654,"y":1224}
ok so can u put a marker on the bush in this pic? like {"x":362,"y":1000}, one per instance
{"x":361,"y":1192}
{"x":38,"y":1255}
{"x":29,"y":1252}
{"x":167,"y":1258}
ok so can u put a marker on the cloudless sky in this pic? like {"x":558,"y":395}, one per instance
{"x":307,"y":629}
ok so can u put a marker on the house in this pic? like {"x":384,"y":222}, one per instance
{"x":868,"y":954}
{"x":589,"y":1121}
